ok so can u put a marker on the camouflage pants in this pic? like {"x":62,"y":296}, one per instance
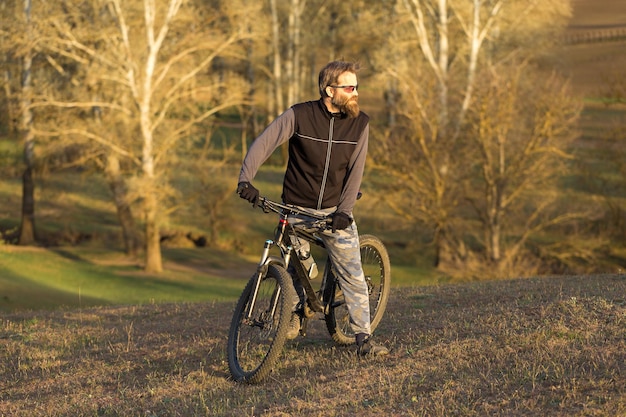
{"x":345,"y":255}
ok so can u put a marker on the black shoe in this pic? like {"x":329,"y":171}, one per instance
{"x":369,"y":348}
{"x":294,"y":326}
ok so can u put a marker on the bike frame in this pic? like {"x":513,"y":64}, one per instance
{"x":282,"y":241}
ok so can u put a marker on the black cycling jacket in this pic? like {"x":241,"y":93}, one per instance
{"x":327,"y":155}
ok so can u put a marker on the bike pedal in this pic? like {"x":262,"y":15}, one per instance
{"x":303,"y":325}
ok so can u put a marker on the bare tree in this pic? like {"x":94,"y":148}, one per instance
{"x":151,"y":63}
{"x":19,"y":49}
{"x":521,"y":127}
{"x":448,"y":44}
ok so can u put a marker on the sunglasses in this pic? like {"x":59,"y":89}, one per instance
{"x":346,"y":88}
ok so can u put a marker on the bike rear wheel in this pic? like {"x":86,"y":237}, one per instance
{"x":255,"y":343}
{"x":377,"y":270}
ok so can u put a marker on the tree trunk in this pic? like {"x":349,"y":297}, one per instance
{"x":122,"y":205}
{"x":10,"y":108}
{"x":151,"y":202}
{"x":277,"y":62}
{"x":154,"y":261}
{"x":277,"y":72}
{"x":27,"y":227}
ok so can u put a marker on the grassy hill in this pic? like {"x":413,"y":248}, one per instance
{"x":533,"y":347}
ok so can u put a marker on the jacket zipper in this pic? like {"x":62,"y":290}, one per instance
{"x":324,"y":178}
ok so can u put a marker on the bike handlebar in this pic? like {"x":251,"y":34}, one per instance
{"x":268,"y":205}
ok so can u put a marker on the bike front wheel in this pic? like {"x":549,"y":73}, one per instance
{"x":259,"y":325}
{"x":377,"y":271}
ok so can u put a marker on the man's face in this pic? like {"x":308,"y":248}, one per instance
{"x":347,"y":102}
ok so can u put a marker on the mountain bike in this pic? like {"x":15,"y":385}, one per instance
{"x":262,"y":316}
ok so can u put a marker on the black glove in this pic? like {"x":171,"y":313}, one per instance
{"x":340,"y":221}
{"x":248,"y":192}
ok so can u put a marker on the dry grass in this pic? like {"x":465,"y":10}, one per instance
{"x":533,"y":347}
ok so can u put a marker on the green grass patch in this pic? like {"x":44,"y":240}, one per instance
{"x":408,"y":276}
{"x":49,"y":278}
{"x":38,"y":278}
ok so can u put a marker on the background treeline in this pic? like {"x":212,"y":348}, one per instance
{"x":473,"y":158}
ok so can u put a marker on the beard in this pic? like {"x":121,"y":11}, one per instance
{"x":348,"y":106}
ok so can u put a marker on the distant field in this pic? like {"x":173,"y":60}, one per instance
{"x":592,"y":64}
{"x":598,"y":13}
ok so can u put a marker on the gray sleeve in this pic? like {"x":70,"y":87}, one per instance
{"x":355,"y":174}
{"x":277,"y":133}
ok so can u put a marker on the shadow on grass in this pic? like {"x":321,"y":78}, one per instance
{"x":72,"y":256}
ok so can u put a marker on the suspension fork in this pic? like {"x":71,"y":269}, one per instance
{"x":261,"y":271}
{"x":265,"y":262}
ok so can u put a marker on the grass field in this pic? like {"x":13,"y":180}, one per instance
{"x":553,"y":346}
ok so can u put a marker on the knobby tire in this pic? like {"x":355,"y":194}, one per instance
{"x":254,"y":348}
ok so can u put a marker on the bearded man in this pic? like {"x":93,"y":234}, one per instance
{"x":328,"y":141}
